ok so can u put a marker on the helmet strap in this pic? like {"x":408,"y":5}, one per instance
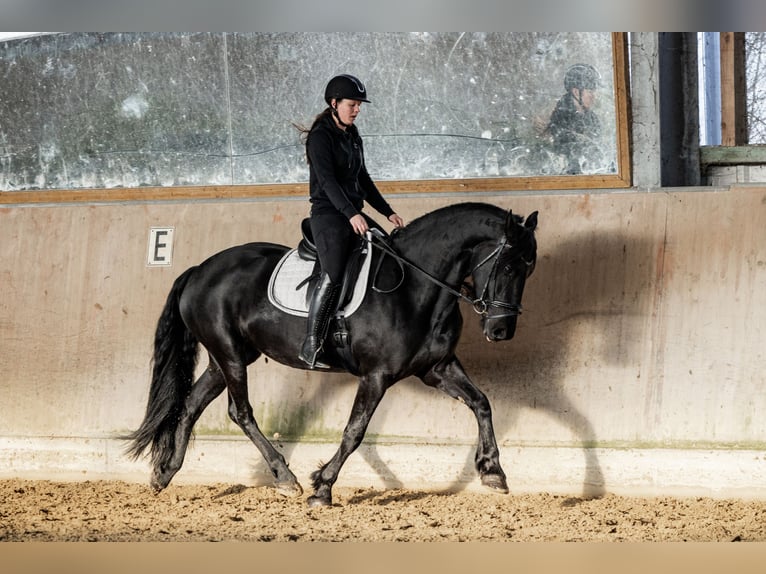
{"x":579,"y":98}
{"x":337,"y":117}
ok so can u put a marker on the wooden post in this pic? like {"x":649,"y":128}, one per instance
{"x":733,"y":89}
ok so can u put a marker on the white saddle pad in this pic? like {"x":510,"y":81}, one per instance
{"x":292,"y":270}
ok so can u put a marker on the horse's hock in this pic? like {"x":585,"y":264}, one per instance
{"x":636,"y":366}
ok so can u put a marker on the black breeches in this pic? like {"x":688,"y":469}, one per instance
{"x":334,"y":238}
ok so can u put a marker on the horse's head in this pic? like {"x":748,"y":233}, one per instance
{"x":500,"y":276}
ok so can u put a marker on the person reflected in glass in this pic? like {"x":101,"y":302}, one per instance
{"x":574,"y":127}
{"x":339,"y":184}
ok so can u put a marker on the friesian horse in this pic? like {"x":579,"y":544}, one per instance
{"x":468,"y":251}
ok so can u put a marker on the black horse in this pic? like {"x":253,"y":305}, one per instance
{"x":413,"y":330}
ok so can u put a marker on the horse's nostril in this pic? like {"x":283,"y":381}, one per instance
{"x":500,"y":332}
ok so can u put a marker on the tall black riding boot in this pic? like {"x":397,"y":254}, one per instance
{"x":321,"y":308}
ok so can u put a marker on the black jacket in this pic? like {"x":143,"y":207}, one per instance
{"x":575,"y":133}
{"x":338,"y":178}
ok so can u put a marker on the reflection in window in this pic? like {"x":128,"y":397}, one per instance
{"x":195,"y":109}
{"x":443,"y":105}
{"x":463,"y":105}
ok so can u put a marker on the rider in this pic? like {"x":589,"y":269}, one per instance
{"x":338,"y":186}
{"x":573,"y":125}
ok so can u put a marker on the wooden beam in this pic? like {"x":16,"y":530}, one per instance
{"x":733,"y":89}
{"x":731,"y":155}
{"x":191,"y":193}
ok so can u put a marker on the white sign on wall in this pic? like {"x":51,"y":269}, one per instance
{"x":160,"y":246}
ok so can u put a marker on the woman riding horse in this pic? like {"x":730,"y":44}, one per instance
{"x":338,"y":185}
{"x":222,"y":304}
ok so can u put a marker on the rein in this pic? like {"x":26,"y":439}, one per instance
{"x":480,"y":305}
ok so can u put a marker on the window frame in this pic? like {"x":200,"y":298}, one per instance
{"x":621,"y":179}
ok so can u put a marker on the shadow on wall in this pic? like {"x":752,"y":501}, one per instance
{"x":586,"y":307}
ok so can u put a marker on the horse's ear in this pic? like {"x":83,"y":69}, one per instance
{"x":531,"y":222}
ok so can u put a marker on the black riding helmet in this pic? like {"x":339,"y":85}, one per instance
{"x":582,"y":77}
{"x":346,"y":87}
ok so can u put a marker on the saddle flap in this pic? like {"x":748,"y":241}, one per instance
{"x":351,"y":275}
{"x":289,"y":282}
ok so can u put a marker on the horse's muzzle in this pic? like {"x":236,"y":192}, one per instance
{"x":502,"y":329}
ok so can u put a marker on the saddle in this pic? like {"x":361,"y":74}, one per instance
{"x":294,"y":278}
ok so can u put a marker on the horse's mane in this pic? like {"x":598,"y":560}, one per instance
{"x":464,"y":209}
{"x":449,"y":212}
{"x":455,"y":212}
{"x":472,"y":221}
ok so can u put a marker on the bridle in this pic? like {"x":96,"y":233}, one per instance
{"x":481,"y":304}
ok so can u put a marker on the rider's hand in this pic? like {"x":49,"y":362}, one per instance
{"x":359,"y":224}
{"x":396,"y":220}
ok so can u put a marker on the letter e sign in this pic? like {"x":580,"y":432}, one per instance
{"x":160,"y":246}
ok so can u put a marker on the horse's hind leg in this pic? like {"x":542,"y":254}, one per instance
{"x":208,"y":386}
{"x":241,"y":412}
{"x":450,"y":378}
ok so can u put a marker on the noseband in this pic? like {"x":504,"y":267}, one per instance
{"x":480,"y":304}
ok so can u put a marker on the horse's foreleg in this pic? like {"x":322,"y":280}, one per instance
{"x":208,"y":386}
{"x":368,"y":397}
{"x":241,"y":412}
{"x":450,"y":377}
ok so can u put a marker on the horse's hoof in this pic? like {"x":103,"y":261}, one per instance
{"x":316,"y":502}
{"x":495,"y":482}
{"x":156,"y":486}
{"x":289,"y":489}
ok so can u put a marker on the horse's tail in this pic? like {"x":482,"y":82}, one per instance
{"x":173,"y":364}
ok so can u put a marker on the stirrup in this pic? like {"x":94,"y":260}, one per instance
{"x":314,"y":365}
{"x":311,"y":361}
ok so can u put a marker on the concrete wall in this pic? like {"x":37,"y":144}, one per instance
{"x":637,"y":366}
